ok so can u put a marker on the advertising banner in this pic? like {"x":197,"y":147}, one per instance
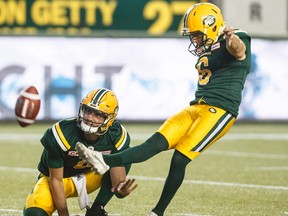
{"x":258,"y":17}
{"x":115,"y":18}
{"x":153,"y":78}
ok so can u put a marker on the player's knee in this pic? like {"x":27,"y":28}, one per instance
{"x":158,"y":141}
{"x":180,"y":160}
{"x":34,"y":211}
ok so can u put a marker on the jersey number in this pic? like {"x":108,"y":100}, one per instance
{"x":204,"y":74}
{"x":81,"y":165}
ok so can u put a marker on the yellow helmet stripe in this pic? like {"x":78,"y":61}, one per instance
{"x":122,"y":139}
{"x":61,"y":140}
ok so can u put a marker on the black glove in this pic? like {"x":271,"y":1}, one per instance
{"x":96,"y":210}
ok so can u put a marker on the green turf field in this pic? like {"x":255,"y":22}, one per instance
{"x":245,"y":173}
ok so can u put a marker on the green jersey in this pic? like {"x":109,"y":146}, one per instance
{"x":222,"y":77}
{"x":59,"y":146}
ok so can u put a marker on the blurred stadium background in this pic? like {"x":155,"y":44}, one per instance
{"x":67,"y":47}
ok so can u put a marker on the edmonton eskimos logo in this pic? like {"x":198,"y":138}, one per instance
{"x":208,"y":21}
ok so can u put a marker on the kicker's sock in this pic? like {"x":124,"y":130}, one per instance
{"x":155,"y":144}
{"x":173,"y":181}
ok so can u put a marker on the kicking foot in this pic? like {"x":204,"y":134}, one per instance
{"x":152,"y":214}
{"x":94,"y":158}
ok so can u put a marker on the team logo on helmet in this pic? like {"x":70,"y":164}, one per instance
{"x":209,"y":21}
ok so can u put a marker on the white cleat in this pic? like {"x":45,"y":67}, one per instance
{"x":152,"y":214}
{"x":94,"y":158}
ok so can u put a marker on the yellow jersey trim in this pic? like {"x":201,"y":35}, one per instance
{"x":122,"y":139}
{"x":61,"y":140}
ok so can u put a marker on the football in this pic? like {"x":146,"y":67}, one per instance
{"x":27,"y":106}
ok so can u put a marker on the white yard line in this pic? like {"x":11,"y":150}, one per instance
{"x":231,"y":136}
{"x":225,"y":184}
{"x":187,"y":214}
{"x":145,"y":178}
{"x":10,"y":210}
{"x":143,"y":136}
{"x":18,"y":169}
{"x":247,"y":154}
{"x":268,"y":168}
{"x":22,"y":137}
{"x":21,"y":211}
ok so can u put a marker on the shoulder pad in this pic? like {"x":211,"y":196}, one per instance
{"x":121,"y":136}
{"x":122,"y":139}
{"x":241,"y":33}
{"x":60,"y":131}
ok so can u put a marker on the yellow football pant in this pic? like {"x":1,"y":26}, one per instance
{"x":195,"y":128}
{"x":41,"y":196}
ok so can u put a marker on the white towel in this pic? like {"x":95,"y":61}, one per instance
{"x":80,"y":184}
